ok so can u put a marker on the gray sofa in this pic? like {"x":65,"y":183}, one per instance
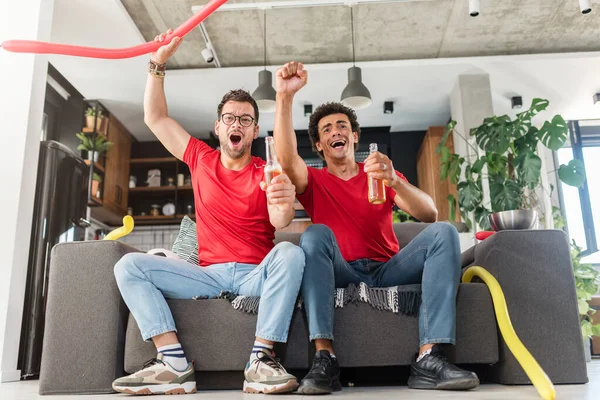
{"x":91,"y":339}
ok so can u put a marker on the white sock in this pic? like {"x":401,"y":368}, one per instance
{"x":173,"y":355}
{"x":425,"y":353}
{"x":258,"y":348}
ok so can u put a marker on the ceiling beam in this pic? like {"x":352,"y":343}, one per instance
{"x":299,"y":4}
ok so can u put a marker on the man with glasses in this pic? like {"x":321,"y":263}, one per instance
{"x":235,"y":229}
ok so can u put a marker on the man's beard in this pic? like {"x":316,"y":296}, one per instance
{"x":233,"y":154}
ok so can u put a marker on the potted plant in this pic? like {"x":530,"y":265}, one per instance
{"x":93,"y":144}
{"x":96,"y":179}
{"x":90,"y":116}
{"x":402,"y":216}
{"x":586,"y":283}
{"x":508,"y":148}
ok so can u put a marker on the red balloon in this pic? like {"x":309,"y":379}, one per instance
{"x":482,"y":235}
{"x":31,"y":46}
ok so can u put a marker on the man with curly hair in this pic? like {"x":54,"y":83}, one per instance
{"x":353,"y":241}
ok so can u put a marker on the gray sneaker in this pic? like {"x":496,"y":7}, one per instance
{"x":266,"y":375}
{"x":158,"y":377}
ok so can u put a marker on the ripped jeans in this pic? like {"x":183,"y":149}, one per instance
{"x":145,"y":281}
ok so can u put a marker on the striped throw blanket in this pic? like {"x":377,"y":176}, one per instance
{"x":404,"y":299}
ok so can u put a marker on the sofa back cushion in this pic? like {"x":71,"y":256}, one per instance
{"x":404,"y":231}
{"x":186,"y":244}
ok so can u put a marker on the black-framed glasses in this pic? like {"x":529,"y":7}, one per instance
{"x":229,"y":119}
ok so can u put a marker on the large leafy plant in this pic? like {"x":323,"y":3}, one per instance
{"x":509,"y":150}
{"x":586,"y":283}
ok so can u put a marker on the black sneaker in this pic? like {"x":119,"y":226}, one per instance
{"x":323,"y":377}
{"x":435,"y":372}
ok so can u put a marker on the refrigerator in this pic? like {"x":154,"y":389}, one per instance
{"x":60,"y":212}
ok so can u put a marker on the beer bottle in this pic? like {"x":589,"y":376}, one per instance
{"x":272,"y":168}
{"x":376,"y":186}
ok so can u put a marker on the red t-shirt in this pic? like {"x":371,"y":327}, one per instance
{"x":232,"y":218}
{"x":362,"y":229}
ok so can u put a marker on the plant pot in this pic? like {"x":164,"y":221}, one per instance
{"x":514,"y":219}
{"x":95,"y":186}
{"x":89,"y":121}
{"x":587,"y":349}
{"x":93,"y":156}
{"x":102,"y":124}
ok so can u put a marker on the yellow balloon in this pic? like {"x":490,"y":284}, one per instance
{"x":122,"y":231}
{"x":536,"y":374}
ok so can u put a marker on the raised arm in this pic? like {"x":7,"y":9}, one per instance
{"x":156,"y":115}
{"x":289,"y":80}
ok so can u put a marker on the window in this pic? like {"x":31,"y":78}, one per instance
{"x":581,"y":206}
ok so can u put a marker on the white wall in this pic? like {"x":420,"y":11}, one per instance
{"x":22,"y":91}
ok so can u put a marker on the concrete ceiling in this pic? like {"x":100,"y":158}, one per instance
{"x":420,"y":88}
{"x":409,"y":29}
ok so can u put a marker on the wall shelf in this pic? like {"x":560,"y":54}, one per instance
{"x":146,"y":189}
{"x":91,"y":130}
{"x":156,"y":160}
{"x":96,"y":165}
{"x":160,"y":219}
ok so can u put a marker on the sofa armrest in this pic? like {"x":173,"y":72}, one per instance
{"x":85,"y":319}
{"x":467,"y":257}
{"x":535,"y":272}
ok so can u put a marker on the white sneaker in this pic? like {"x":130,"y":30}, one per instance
{"x":266,"y":375}
{"x":158,"y":377}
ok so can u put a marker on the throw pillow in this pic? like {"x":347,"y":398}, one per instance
{"x":186,"y":243}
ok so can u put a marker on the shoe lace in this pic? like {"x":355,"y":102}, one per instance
{"x":152,"y":362}
{"x":269,"y":360}
{"x":440,"y":356}
{"x":320,"y":364}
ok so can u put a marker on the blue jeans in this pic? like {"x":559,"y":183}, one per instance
{"x":145,"y":281}
{"x":432,"y":259}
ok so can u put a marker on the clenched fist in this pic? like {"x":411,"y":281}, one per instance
{"x":291,"y":78}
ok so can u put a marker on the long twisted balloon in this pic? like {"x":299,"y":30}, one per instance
{"x":31,"y":46}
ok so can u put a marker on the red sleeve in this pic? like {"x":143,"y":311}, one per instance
{"x":195,"y":151}
{"x":306,"y":198}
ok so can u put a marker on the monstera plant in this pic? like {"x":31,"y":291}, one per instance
{"x":508,"y":147}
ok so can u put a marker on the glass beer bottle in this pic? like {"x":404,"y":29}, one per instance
{"x":376,"y":186}
{"x":272,"y":167}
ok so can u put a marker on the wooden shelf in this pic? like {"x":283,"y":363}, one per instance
{"x":95,"y":202}
{"x":96,"y":166}
{"x":159,"y":160}
{"x":161,"y":219}
{"x":147,"y":189}
{"x":152,"y":217}
{"x":185,"y":187}
{"x":91,"y":130}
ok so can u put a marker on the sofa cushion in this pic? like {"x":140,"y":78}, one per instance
{"x":186,"y":243}
{"x":363,"y":336}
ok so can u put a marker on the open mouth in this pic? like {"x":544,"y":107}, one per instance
{"x":235,"y":139}
{"x":338,"y":144}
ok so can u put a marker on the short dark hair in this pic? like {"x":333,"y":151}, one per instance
{"x":323,"y":111}
{"x":238,"y":95}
